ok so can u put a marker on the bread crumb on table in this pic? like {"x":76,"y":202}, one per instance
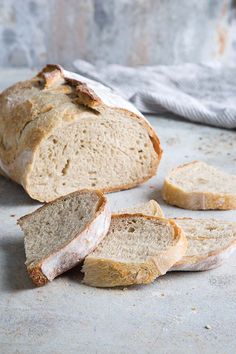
{"x":208,"y":327}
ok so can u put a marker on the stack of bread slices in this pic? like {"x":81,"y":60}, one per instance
{"x":67,"y":140}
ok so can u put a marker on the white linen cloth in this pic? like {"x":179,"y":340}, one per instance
{"x":203,"y":93}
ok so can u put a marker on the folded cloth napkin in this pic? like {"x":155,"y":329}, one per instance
{"x":204,"y":93}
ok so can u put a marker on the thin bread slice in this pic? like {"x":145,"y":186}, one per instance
{"x":147,"y":208}
{"x":62,"y":233}
{"x":199,"y":186}
{"x":210,"y":242}
{"x":136,"y":250}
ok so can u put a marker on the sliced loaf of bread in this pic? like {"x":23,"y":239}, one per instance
{"x":210,"y":242}
{"x":61,"y":132}
{"x":147,"y":208}
{"x":197,"y":185}
{"x":62,"y":233}
{"x":136,"y":250}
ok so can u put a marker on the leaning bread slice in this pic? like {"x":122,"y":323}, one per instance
{"x":60,"y":234}
{"x":148,"y":208}
{"x":210,"y":242}
{"x":136,"y":250}
{"x":197,"y":185}
{"x":61,"y":132}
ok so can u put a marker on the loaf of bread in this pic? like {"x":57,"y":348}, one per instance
{"x":136,"y":250}
{"x":199,"y":186}
{"x":61,"y":233}
{"x":61,"y":132}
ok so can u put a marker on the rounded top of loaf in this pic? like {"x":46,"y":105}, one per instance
{"x":94,"y":94}
{"x":97,"y":96}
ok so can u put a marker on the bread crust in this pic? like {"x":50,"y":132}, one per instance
{"x":202,"y":263}
{"x":72,"y":252}
{"x":100,"y":272}
{"x":152,"y":208}
{"x":27,"y":135}
{"x":174,"y":195}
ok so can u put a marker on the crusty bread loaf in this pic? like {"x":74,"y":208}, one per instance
{"x":210,"y":242}
{"x":60,"y":234}
{"x":197,"y":185}
{"x":61,"y":132}
{"x":147,"y":208}
{"x":136,"y":250}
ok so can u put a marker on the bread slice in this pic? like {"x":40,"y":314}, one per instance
{"x":147,"y":208}
{"x":210,"y":242}
{"x":61,"y":132}
{"x":197,"y":185}
{"x":136,"y":250}
{"x":62,"y":233}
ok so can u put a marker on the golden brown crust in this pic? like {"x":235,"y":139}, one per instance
{"x":34,"y":123}
{"x":100,"y":272}
{"x":37,"y":276}
{"x":107,"y":273}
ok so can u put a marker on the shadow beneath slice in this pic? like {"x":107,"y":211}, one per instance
{"x":74,"y":274}
{"x":15,"y":277}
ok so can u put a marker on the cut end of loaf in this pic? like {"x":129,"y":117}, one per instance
{"x":109,"y":151}
{"x":69,"y":133}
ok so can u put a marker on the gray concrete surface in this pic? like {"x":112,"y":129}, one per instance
{"x":130,"y":32}
{"x":179,"y":313}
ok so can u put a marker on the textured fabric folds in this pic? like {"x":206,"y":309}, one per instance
{"x":203,"y":93}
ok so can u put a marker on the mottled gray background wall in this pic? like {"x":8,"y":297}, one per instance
{"x":132,"y":32}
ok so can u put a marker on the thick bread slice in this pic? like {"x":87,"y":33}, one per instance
{"x":61,"y":132}
{"x":62,"y":233}
{"x":210,"y":242}
{"x":148,"y":208}
{"x":136,"y":250}
{"x":197,"y":185}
